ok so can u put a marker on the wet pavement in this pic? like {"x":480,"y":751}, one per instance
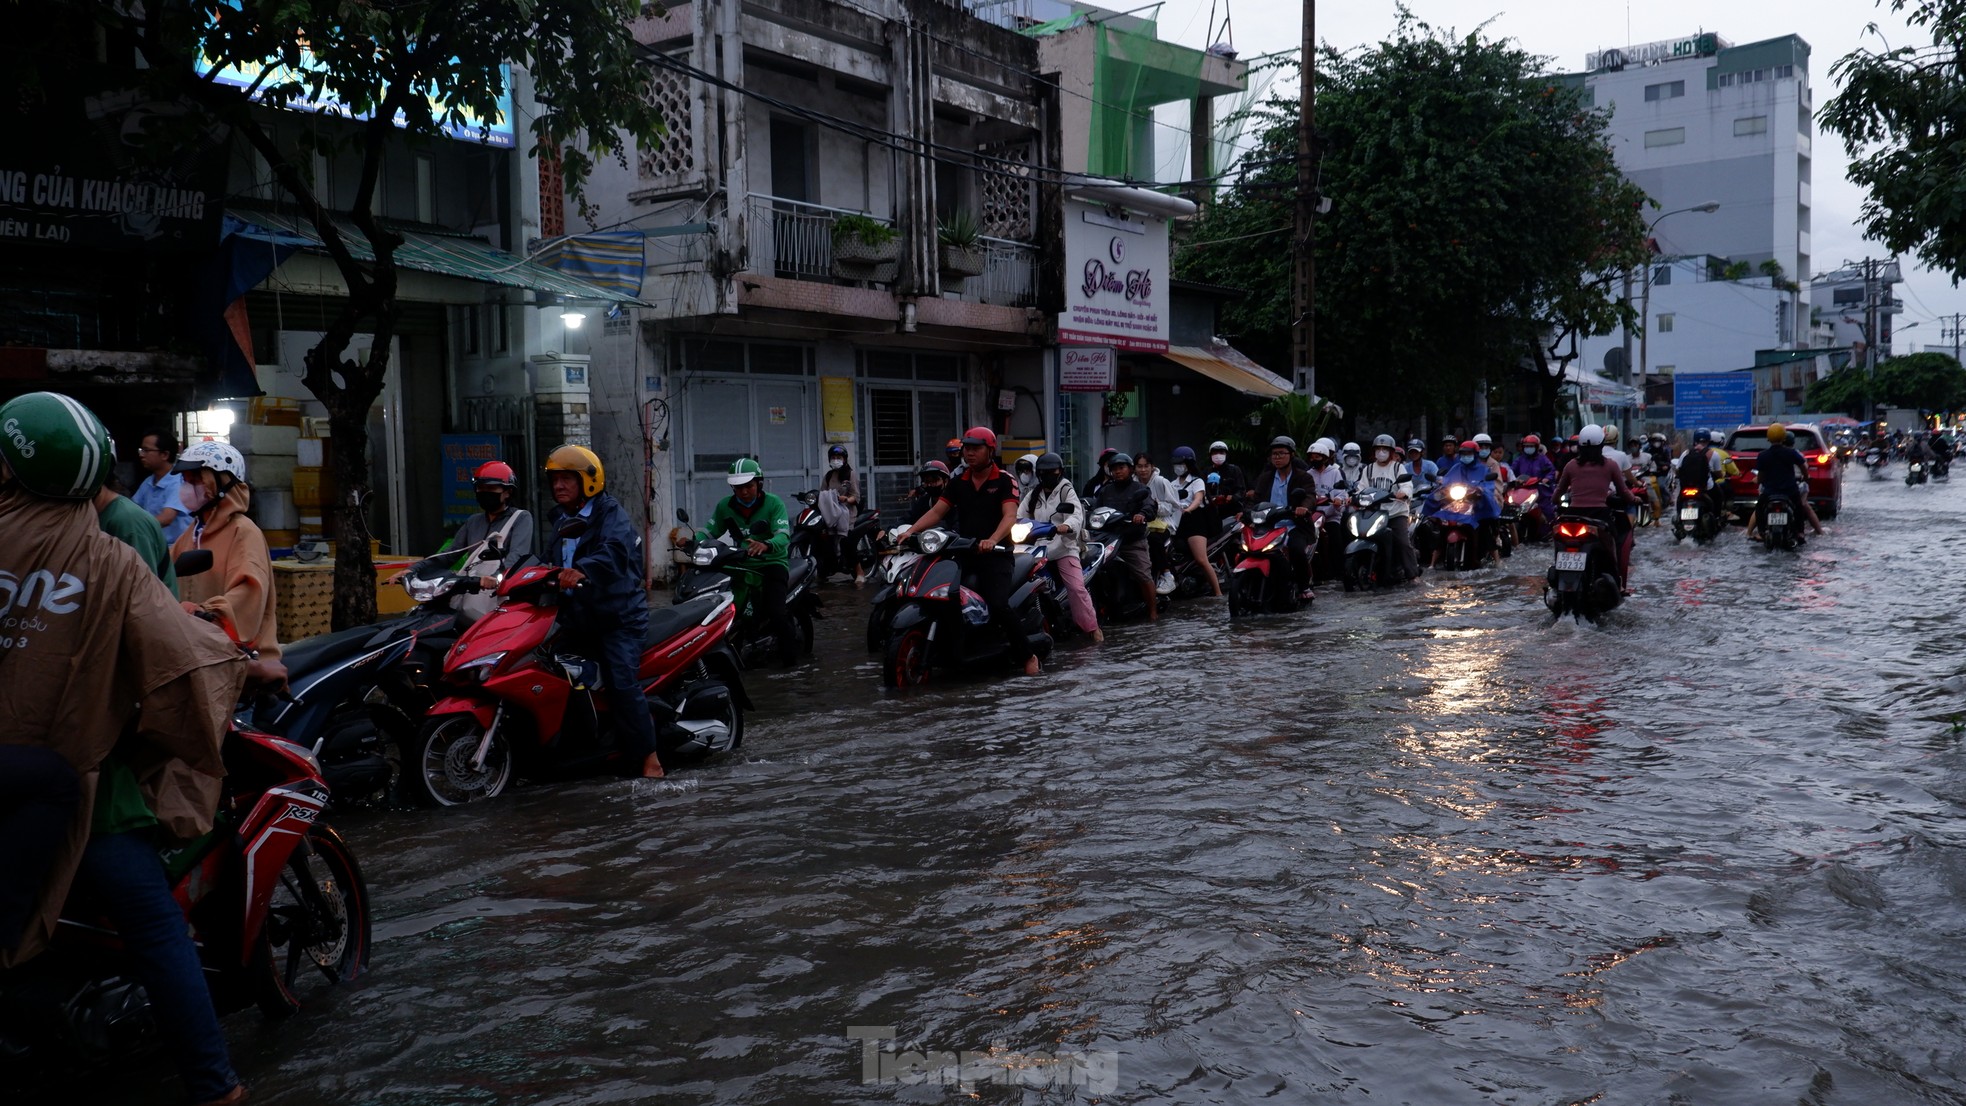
{"x":1413,"y":847}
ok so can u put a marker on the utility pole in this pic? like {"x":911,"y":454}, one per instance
{"x":1304,"y":300}
{"x":1953,"y":332}
{"x":1870,"y":339}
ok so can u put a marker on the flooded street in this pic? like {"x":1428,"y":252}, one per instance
{"x":1415,"y":847}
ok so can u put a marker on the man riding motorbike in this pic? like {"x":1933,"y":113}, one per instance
{"x":757,"y":520}
{"x":1469,"y":469}
{"x":1286,"y":485}
{"x":107,"y":654}
{"x":594,"y":544}
{"x":1232,"y":483}
{"x":494,"y":484}
{"x":933,"y":476}
{"x":1781,"y":470}
{"x":983,"y":504}
{"x":1699,"y":468}
{"x":1425,"y":473}
{"x":1135,"y":503}
{"x":1387,"y":473}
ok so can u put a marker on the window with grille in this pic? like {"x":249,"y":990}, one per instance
{"x":1669,"y":136}
{"x":1666,"y":90}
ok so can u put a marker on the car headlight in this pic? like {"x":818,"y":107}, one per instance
{"x":479,"y":669}
{"x":932,"y":541}
{"x":1020,"y":531}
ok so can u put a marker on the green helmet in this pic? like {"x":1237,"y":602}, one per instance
{"x":743,"y":471}
{"x":56,"y":447}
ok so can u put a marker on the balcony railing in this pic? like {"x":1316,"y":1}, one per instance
{"x":1010,"y":275}
{"x":792,"y":238}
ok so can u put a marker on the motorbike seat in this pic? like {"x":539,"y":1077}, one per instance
{"x":326,"y":650}
{"x":797,"y":571}
{"x":667,"y":622}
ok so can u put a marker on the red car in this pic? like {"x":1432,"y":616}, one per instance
{"x":1825,"y":473}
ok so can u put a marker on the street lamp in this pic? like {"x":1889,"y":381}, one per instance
{"x":1645,"y":306}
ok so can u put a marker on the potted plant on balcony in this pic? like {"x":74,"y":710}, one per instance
{"x":961,"y":248}
{"x":864,"y":248}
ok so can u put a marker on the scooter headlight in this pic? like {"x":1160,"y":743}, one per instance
{"x":423,"y":590}
{"x":933,"y":541}
{"x":1020,"y":531}
{"x":1372,"y":530}
{"x":1458,"y":492}
{"x":704,"y":555}
{"x":479,"y":669}
{"x":1352,"y":525}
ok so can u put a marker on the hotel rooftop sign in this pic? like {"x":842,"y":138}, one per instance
{"x":1703,"y":45}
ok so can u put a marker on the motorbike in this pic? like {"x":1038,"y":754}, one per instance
{"x":515,"y":705}
{"x":1876,"y":460}
{"x":723,"y":566}
{"x":1525,"y":511}
{"x":1779,"y":528}
{"x":1261,"y":579}
{"x":808,"y":527}
{"x":354,"y":697}
{"x":1029,"y":536}
{"x":273,"y":897}
{"x":894,"y":570}
{"x":944,"y":624}
{"x":1454,"y":527}
{"x":1583,"y":576}
{"x":1115,"y":595}
{"x":1696,"y":516}
{"x":1941,"y":470}
{"x":1372,"y":558}
{"x":1914,"y":473}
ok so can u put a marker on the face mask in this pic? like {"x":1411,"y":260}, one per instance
{"x":1050,"y":478}
{"x":836,"y":463}
{"x":1180,"y":468}
{"x":194,"y":496}
{"x":745,"y":496}
{"x":1320,"y":462}
{"x":1219,"y":458}
{"x":1466,"y":458}
{"x":1529,"y":451}
{"x":932,"y":485}
{"x":1382,"y":455}
{"x":491,"y":499}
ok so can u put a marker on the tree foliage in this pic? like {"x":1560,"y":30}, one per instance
{"x":1925,"y":381}
{"x":1478,"y":219}
{"x":409,"y":69}
{"x":1902,"y":118}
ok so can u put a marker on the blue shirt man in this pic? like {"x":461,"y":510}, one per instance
{"x":1280,"y":487}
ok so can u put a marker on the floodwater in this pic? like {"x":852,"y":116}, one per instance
{"x":1414,"y":847}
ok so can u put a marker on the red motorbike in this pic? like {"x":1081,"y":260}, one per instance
{"x":274,"y":899}
{"x":1260,"y":576}
{"x":517,"y":704}
{"x":1527,"y":509}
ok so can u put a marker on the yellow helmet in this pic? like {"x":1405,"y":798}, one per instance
{"x":580,"y":459}
{"x":1777,"y":433}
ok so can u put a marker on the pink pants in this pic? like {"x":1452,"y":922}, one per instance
{"x":1074,"y":579}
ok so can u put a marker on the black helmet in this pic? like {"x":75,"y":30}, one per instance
{"x":1050,"y":462}
{"x":1118,"y":459}
{"x":1184,"y":454}
{"x":1284,"y":440}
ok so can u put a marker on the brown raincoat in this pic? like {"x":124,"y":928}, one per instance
{"x":92,"y":645}
{"x":240,"y":583}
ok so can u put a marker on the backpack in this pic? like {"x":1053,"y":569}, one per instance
{"x":1695,"y":469}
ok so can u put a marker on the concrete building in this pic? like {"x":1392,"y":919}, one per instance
{"x":774,"y":331}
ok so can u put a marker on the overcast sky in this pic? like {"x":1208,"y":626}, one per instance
{"x":1566,"y":30}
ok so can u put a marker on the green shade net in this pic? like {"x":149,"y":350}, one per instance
{"x":1133,"y":71}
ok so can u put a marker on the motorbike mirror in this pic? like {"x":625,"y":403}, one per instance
{"x":571,"y":528}
{"x":1067,"y":508}
{"x":761,"y":530}
{"x":682,"y":516}
{"x":193,"y":562}
{"x":494,"y":547}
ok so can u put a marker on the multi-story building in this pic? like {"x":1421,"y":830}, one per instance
{"x":865,"y":228}
{"x":1699,"y":121}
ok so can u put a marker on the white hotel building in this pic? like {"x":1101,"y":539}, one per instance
{"x":1699,"y":120}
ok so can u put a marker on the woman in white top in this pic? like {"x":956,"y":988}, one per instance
{"x":1047,"y":501}
{"x":1160,"y":531}
{"x":1199,"y":522}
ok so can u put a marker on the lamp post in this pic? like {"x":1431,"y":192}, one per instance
{"x":1645,"y":306}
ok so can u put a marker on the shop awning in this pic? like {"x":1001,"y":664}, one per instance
{"x":454,"y":255}
{"x":1225,"y":364}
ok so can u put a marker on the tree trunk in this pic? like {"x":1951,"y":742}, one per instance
{"x":1544,"y":405}
{"x":347,"y":523}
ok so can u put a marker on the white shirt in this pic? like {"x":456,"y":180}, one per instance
{"x":1619,"y":458}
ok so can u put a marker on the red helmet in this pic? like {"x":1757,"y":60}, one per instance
{"x":1469,"y":446}
{"x":1531,"y":439}
{"x":980,"y":435}
{"x":494,"y":472}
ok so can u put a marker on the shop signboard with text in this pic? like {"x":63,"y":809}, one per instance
{"x":1116,"y":278}
{"x":1087,"y":368}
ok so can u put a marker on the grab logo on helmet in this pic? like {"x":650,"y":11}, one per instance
{"x":21,"y":441}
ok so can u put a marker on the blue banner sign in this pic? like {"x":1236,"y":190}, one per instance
{"x":1719,"y":400}
{"x":462,"y":454}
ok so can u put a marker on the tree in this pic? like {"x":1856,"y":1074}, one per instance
{"x":1925,"y":381}
{"x":404,"y":71}
{"x":1902,"y":118}
{"x":1478,"y":221}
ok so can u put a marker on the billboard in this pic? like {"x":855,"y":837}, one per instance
{"x":1718,"y":400}
{"x":1115,"y":278}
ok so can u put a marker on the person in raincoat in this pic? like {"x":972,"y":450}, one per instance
{"x":240,"y":585}
{"x":98,"y":656}
{"x":1470,"y":469}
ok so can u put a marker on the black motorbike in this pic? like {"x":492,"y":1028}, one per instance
{"x":724,"y":566}
{"x":1695,"y":516}
{"x":1914,"y":473}
{"x":1583,"y":576}
{"x":355,"y":696}
{"x":1780,"y":529}
{"x":1372,"y":559}
{"x":943,"y":624}
{"x":1115,"y":592}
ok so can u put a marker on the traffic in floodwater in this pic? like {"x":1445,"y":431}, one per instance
{"x":1422,"y":845}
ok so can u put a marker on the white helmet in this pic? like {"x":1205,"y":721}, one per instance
{"x":1325,"y":446}
{"x":1352,"y":447}
{"x":1218,"y":447}
{"x":1386,"y":441}
{"x":216,"y":456}
{"x":1717,"y":438}
{"x":1483,"y":440}
{"x":1611,"y":435}
{"x":1591,"y":435}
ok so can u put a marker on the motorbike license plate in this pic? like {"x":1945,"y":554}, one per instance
{"x":1778,"y":518}
{"x":1689,"y":513}
{"x":1571,"y":560}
